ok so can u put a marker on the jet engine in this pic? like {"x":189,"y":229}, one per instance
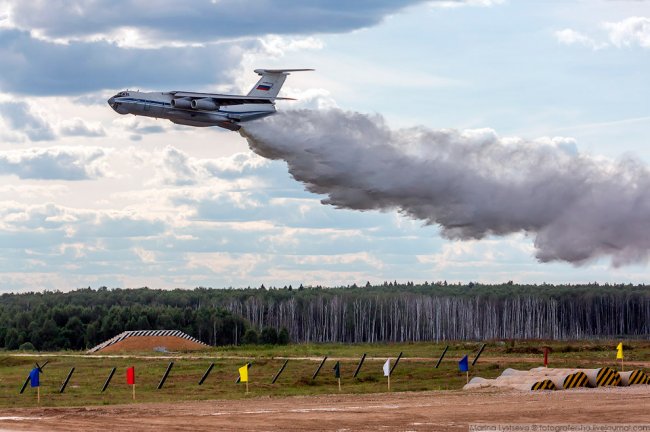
{"x":181,"y":103}
{"x":204,"y":104}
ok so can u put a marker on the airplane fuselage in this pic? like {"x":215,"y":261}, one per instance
{"x":207,"y":109}
{"x":177,"y":107}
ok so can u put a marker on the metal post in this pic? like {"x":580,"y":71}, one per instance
{"x":319,"y":368}
{"x":395,"y":364}
{"x":275,"y":378}
{"x":22,"y":389}
{"x":478,"y":355}
{"x":108,"y":380}
{"x":442,"y":356}
{"x":356,"y":372}
{"x":40,"y":368}
{"x":164,"y":378}
{"x":207,"y":372}
{"x":65,"y":383}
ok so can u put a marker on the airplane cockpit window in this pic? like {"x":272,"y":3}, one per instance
{"x":122,"y":94}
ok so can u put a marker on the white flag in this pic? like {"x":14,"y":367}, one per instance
{"x":387,"y":368}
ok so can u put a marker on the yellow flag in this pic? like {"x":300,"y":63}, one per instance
{"x":619,"y":354}
{"x":243,"y":373}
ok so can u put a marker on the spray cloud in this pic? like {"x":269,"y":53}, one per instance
{"x":472,"y":184}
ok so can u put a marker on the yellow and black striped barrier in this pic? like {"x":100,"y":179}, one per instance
{"x":546,"y":384}
{"x":577,"y":379}
{"x":636,"y":376}
{"x":607,"y":377}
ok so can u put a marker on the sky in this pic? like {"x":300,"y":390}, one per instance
{"x":92,"y":198}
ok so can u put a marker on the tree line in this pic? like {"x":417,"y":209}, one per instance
{"x":388,"y":312}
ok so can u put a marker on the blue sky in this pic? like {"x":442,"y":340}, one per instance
{"x":91,"y":198}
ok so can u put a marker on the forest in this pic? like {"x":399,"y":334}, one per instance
{"x":390,"y":312}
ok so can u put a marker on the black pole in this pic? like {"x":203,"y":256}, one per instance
{"x":239,"y":377}
{"x":22,"y":389}
{"x":65,"y":383}
{"x":319,"y":368}
{"x":207,"y":372}
{"x":275,"y":378}
{"x":478,"y":355}
{"x":164,"y":378}
{"x":356,"y":372}
{"x":40,"y":368}
{"x":442,"y":356}
{"x":108,"y":380}
{"x":395,"y":365}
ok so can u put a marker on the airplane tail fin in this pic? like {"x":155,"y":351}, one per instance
{"x":271,"y":82}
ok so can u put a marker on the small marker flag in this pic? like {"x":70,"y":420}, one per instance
{"x":463,"y":364}
{"x":34,"y":377}
{"x":337,"y":370}
{"x":130,"y":376}
{"x":243,"y":373}
{"x":619,"y":353}
{"x":387,"y":368}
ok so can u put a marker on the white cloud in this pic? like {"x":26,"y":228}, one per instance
{"x":133,"y":23}
{"x":630,"y":31}
{"x":62,"y":163}
{"x":461,"y":3}
{"x":79,"y":127}
{"x":625,"y":33}
{"x":19,"y":116}
{"x":573,"y":37}
{"x":280,"y":46}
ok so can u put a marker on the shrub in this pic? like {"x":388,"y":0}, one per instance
{"x":269,"y":336}
{"x":283,"y":336}
{"x":251,"y":337}
{"x":27,"y":346}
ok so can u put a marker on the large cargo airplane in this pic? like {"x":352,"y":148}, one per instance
{"x":207,"y":109}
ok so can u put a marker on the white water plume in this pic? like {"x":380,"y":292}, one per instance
{"x":472,"y":184}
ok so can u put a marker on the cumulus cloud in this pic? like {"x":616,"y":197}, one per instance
{"x":54,"y":163}
{"x":19,"y":116}
{"x":82,"y":67}
{"x":630,"y":31}
{"x":573,"y":37}
{"x":178,"y":169}
{"x":625,"y":33}
{"x":460,"y":3}
{"x":79,"y":127}
{"x":140,"y":126}
{"x":207,"y":20}
{"x":472,"y":184}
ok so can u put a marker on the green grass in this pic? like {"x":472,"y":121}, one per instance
{"x":412,"y":374}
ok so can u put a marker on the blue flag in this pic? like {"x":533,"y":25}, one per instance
{"x":34,"y":377}
{"x":463,"y":365}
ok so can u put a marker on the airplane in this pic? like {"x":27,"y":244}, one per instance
{"x":207,"y":109}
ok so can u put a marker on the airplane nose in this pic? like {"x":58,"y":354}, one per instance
{"x":111,"y":101}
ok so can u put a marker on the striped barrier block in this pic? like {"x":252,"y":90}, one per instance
{"x":546,"y":384}
{"x":633,"y":377}
{"x":607,"y":377}
{"x":576,"y":379}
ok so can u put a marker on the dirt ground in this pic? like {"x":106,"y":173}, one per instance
{"x":149,"y":343}
{"x":421,"y":411}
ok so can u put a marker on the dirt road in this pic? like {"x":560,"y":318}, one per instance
{"x":422,"y":411}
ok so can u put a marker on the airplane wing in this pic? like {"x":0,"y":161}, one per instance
{"x":227,"y":99}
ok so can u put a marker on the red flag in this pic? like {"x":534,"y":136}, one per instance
{"x":130,"y":375}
